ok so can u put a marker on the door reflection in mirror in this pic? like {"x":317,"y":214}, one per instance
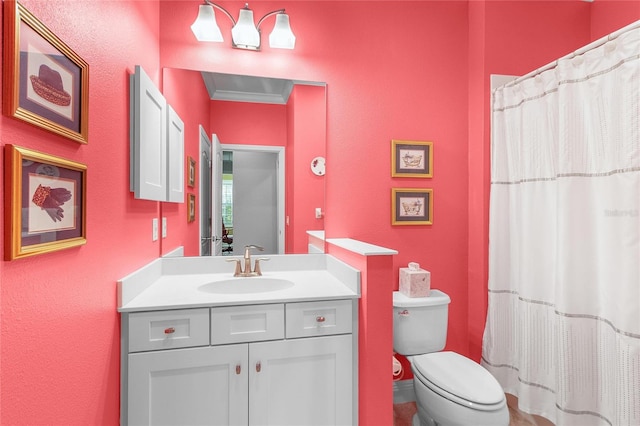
{"x":210,"y":183}
{"x":253,"y":197}
{"x":206,"y":231}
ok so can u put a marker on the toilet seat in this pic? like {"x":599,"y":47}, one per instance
{"x":459,"y":379}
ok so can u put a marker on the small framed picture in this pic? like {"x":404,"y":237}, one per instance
{"x":44,"y":203}
{"x":45,"y":82}
{"x":411,"y":159}
{"x":191,"y":167}
{"x":191,"y":208}
{"x":411,"y":206}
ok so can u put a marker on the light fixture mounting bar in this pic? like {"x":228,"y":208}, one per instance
{"x":275,"y":12}
{"x":222,"y":9}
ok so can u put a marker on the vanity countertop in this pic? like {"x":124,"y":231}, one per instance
{"x":173,"y":283}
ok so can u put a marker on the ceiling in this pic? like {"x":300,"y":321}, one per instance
{"x":245,"y":88}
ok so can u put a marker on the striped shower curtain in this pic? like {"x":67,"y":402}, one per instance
{"x":563,"y":324}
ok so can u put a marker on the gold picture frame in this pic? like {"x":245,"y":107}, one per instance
{"x":411,"y":159}
{"x":45,"y":82}
{"x":191,"y":207}
{"x":45,"y":203}
{"x":411,"y":206}
{"x":191,"y":168}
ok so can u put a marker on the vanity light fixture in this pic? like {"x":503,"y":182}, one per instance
{"x":244,"y":34}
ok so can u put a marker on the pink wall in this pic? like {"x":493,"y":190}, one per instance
{"x":60,"y":330}
{"x":305,"y":191}
{"x":375,"y":333}
{"x":249,"y":123}
{"x":609,"y":15}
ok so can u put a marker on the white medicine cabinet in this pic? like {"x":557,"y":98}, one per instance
{"x":156,"y":143}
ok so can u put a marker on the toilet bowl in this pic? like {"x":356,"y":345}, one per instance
{"x":453,"y":390}
{"x":450,"y":389}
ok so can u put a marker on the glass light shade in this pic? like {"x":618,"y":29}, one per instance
{"x":245,"y":33}
{"x":282,"y":37}
{"x":205,"y":27}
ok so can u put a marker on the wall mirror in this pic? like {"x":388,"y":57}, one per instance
{"x":266,"y":136}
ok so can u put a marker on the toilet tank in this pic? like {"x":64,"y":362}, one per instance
{"x":420,"y":323}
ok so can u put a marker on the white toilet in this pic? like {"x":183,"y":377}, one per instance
{"x":451,"y":390}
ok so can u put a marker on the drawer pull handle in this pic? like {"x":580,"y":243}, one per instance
{"x":169,"y":330}
{"x":238,"y":369}
{"x":258,"y":367}
{"x":320,"y":319}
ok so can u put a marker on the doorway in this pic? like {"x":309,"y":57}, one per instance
{"x":257,"y":197}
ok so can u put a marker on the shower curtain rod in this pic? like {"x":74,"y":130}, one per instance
{"x":580,"y":51}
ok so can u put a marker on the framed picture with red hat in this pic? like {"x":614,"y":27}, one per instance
{"x":45,"y":81}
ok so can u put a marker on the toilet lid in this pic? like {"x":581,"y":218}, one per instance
{"x":460,"y":377}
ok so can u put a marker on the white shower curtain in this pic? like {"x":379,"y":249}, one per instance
{"x":563,"y":324}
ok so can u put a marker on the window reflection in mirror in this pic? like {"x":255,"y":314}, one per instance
{"x":227,"y":202}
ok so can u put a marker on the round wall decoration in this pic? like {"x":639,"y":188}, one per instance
{"x":317,"y":166}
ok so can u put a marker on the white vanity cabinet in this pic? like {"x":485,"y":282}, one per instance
{"x":268,"y":364}
{"x":195,"y":386}
{"x":301,"y":382}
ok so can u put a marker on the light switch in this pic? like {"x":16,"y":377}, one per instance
{"x":154,"y":229}
{"x":318,"y":212}
{"x":164,"y":227}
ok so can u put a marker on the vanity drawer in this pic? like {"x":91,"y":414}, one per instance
{"x":252,"y":323}
{"x":182,"y":328}
{"x":307,"y":319}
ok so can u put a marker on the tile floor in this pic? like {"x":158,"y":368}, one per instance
{"x":402,"y":414}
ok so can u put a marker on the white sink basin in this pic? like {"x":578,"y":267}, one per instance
{"x":244,"y":285}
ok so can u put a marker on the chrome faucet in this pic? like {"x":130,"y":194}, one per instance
{"x":247,"y":272}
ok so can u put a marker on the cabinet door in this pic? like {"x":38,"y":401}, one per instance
{"x":196,"y":386}
{"x":148,"y":138}
{"x":301,"y":382}
{"x":175,"y":157}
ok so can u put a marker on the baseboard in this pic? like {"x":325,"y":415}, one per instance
{"x":403,"y":391}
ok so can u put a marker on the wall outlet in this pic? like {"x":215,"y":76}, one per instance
{"x":154,"y":229}
{"x":164,"y":227}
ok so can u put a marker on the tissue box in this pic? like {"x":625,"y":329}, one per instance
{"x":415,"y":282}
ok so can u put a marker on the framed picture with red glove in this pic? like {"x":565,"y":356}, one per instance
{"x":45,"y":82}
{"x":45,"y":198}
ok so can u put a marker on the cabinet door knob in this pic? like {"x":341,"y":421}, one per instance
{"x":258,"y":367}
{"x":238,"y":369}
{"x":169,"y":330}
{"x":320,"y":319}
